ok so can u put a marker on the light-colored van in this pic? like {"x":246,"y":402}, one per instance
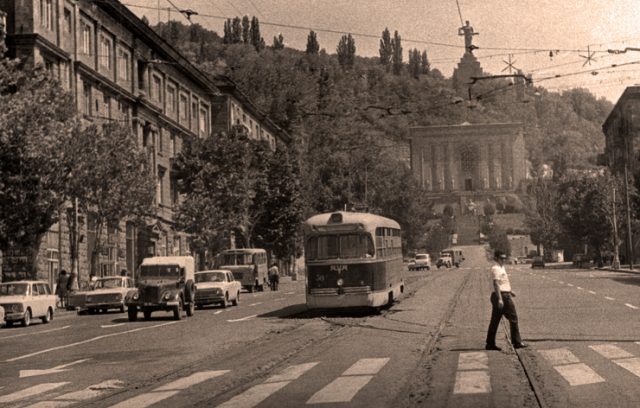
{"x":420,"y":262}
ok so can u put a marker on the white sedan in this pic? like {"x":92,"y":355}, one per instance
{"x":217,"y":286}
{"x":26,"y":300}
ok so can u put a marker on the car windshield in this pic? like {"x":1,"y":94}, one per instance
{"x":210,"y":277}
{"x":109,"y":283}
{"x":422,"y":256}
{"x":12,"y":289}
{"x":159,"y":271}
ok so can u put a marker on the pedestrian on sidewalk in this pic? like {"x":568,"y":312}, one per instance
{"x":61,"y":287}
{"x":502,"y":305}
{"x":274,"y":276}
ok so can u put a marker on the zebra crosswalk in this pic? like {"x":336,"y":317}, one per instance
{"x":577,"y":365}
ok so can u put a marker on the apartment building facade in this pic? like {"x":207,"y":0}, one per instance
{"x":118,"y":69}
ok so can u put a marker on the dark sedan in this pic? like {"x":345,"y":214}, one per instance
{"x":537,"y":262}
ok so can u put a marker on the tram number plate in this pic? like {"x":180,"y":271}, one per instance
{"x":338,"y":268}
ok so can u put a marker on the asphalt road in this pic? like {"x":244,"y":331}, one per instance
{"x":426,"y":350}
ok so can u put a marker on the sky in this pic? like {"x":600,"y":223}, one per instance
{"x":578,"y":33}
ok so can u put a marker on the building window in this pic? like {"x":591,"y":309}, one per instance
{"x":184,"y":108}
{"x":172,"y":145}
{"x":156,"y":88}
{"x":194,"y":115}
{"x":67,"y":21}
{"x":173,"y":191}
{"x":123,"y":65}
{"x":171,"y":99}
{"x":160,"y":187}
{"x":86,"y":92}
{"x":86,"y":38}
{"x":105,"y":52}
{"x":46,"y":14}
{"x":204,"y":121}
{"x":160,"y":137}
{"x":106,"y":100}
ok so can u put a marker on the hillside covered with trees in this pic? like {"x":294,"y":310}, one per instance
{"x":350,"y":116}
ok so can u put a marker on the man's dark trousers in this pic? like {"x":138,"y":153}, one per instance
{"x":508,"y":311}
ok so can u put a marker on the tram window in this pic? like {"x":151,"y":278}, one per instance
{"x":328,"y":246}
{"x":342,"y":246}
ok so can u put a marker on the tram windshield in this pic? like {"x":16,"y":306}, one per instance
{"x":339,"y":246}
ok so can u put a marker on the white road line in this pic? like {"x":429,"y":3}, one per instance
{"x":631,"y":306}
{"x":561,"y":282}
{"x":366,"y":366}
{"x":610,"y":351}
{"x":472,"y":382}
{"x":578,"y":374}
{"x":106,"y":326}
{"x":609,"y":298}
{"x":33,"y":334}
{"x":477,"y":360}
{"x":76,"y":397}
{"x":242,"y":318}
{"x":570,"y":284}
{"x":168,"y":390}
{"x":579,"y":288}
{"x":630,"y":364}
{"x":290,"y":293}
{"x":255,"y":304}
{"x":258,"y":393}
{"x":31,"y":391}
{"x":592,"y":292}
{"x":104,"y":336}
{"x":344,"y":388}
{"x":559,"y":356}
{"x":279,"y":299}
{"x":218,"y":311}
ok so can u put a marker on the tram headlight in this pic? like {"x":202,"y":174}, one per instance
{"x":340,"y":282}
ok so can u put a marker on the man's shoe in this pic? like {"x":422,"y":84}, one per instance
{"x":492,"y":347}
{"x":520,"y":345}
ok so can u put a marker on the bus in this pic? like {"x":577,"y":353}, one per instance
{"x":352,"y":260}
{"x":248,"y":265}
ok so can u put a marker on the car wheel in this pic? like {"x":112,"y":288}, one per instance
{"x":250,"y":289}
{"x":26,"y":320}
{"x":146,"y":314}
{"x":237,"y":299}
{"x":48,"y":316}
{"x":177,"y":311}
{"x":122,"y":309}
{"x":225,"y":302}
{"x":428,"y":268}
{"x":199,"y":306}
{"x":8,"y":323}
{"x":191,"y":307}
{"x":132,"y":311}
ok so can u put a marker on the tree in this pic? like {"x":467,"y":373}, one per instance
{"x":246,"y":30}
{"x":414,"y":67}
{"x":228,"y":33}
{"x":424,"y":63}
{"x":256,"y":39}
{"x":542,"y":220}
{"x":498,"y":240}
{"x":346,"y":51}
{"x":386,"y":49}
{"x":213,"y":176}
{"x":236,"y":30}
{"x":396,"y":54}
{"x":278,"y":42}
{"x":312,"y":44}
{"x":37,"y":121}
{"x":112,"y":179}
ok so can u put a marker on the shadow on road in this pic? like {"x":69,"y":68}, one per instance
{"x":300,"y":311}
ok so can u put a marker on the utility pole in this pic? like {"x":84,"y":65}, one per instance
{"x":629,"y":236}
{"x":616,"y":256}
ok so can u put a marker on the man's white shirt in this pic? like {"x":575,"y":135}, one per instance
{"x":499,"y":274}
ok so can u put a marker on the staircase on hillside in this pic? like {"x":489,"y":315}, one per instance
{"x":467,"y":227}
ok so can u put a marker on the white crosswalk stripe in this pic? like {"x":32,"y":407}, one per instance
{"x":168,"y":390}
{"x":30,"y":392}
{"x":570,"y":367}
{"x":258,"y":393}
{"x":472,"y":376}
{"x":344,"y":388}
{"x":75,"y":397}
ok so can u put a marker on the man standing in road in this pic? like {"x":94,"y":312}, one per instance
{"x":502,"y":305}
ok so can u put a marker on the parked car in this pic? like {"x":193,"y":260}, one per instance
{"x":26,"y":300}
{"x":537,"y":262}
{"x":163,"y":283}
{"x":444,"y":261}
{"x":217,"y":286}
{"x":455,"y":254}
{"x":104,"y":294}
{"x":1,"y":316}
{"x":421,"y":261}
